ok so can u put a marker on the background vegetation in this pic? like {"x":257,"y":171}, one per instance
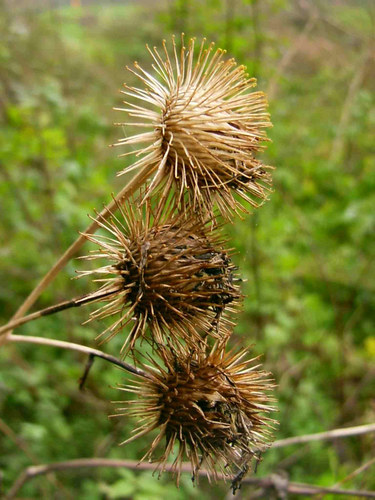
{"x":308,"y":254}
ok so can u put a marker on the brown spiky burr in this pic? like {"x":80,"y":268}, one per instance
{"x":164,"y":273}
{"x":210,"y":408}
{"x":203,"y":127}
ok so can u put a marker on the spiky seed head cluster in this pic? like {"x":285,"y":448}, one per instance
{"x":167,"y":271}
{"x":213,"y":406}
{"x":203,"y":128}
{"x":169,"y":274}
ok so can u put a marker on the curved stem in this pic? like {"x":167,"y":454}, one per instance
{"x":76,"y":347}
{"x":328,"y":435}
{"x":67,"y":304}
{"x":269,"y":482}
{"x":127,"y":191}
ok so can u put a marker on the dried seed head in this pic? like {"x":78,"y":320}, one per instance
{"x":166,"y":272}
{"x":212,"y":406}
{"x":206,"y":128}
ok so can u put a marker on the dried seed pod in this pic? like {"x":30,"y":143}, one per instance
{"x":212,"y":406}
{"x":206,"y":128}
{"x":166,"y":273}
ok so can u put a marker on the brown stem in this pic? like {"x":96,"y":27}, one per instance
{"x":353,"y":474}
{"x":18,"y":441}
{"x":346,"y":112}
{"x":67,"y":304}
{"x":88,"y":367}
{"x":269,"y":482}
{"x":127,"y":191}
{"x":22,"y":445}
{"x":322,"y":436}
{"x":76,"y":347}
{"x":289,"y":55}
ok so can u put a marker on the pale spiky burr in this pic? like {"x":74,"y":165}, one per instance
{"x":210,"y":408}
{"x":167,"y":275}
{"x":204,"y":127}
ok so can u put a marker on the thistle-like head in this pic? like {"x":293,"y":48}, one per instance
{"x":212,"y":406}
{"x":166,"y":274}
{"x":204,"y":127}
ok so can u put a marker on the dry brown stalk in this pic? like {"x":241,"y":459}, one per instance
{"x":289,"y":54}
{"x":22,"y":445}
{"x":355,"y":473}
{"x":75,"y":347}
{"x":346,"y":112}
{"x":268,"y":482}
{"x":62,"y":306}
{"x":328,"y":435}
{"x":127,"y":190}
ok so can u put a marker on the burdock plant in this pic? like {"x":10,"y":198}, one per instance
{"x":212,"y":405}
{"x":203,"y":129}
{"x":166,"y":270}
{"x":166,"y":274}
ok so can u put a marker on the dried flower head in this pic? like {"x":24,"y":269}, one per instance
{"x":212,"y":406}
{"x":204,"y":128}
{"x":167,"y":273}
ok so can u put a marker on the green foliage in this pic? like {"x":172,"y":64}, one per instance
{"x":307,"y":254}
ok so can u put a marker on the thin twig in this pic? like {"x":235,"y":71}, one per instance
{"x":263,"y":482}
{"x":88,"y":367}
{"x":22,"y":445}
{"x":17,"y":440}
{"x":76,"y":347}
{"x":320,"y":436}
{"x":354,"y":87}
{"x":352,"y":475}
{"x":308,"y":489}
{"x":127,"y":191}
{"x":62,"y":306}
{"x":357,"y":471}
{"x":288,"y":56}
{"x":329,"y":435}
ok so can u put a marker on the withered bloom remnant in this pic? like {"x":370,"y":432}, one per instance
{"x":165,"y":273}
{"x":213,"y":406}
{"x":203,"y":126}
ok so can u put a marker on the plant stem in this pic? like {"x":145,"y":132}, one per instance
{"x":21,"y":444}
{"x":76,"y":347}
{"x":328,"y":435}
{"x":67,"y":304}
{"x":271,"y":482}
{"x":127,"y":191}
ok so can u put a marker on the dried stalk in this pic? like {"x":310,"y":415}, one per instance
{"x":352,"y":475}
{"x":269,"y":482}
{"x":22,"y":445}
{"x":265,"y":482}
{"x":127,"y":191}
{"x":323,"y":436}
{"x":67,"y":304}
{"x":289,"y":55}
{"x":76,"y":347}
{"x":346,"y":112}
